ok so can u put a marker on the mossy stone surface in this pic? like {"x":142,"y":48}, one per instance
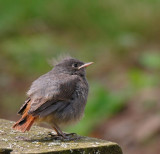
{"x":37,"y":140}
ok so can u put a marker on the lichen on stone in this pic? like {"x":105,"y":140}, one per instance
{"x":37,"y":140}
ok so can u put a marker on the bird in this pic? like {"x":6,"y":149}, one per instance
{"x":58,"y":97}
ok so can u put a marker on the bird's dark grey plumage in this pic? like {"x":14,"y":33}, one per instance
{"x":60,"y":94}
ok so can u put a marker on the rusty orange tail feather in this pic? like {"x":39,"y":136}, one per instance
{"x":26,"y":121}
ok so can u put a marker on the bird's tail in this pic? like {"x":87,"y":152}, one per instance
{"x":26,"y":121}
{"x":24,"y":124}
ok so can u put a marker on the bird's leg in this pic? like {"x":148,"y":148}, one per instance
{"x":58,"y":131}
{"x":60,"y":135}
{"x":63,"y":136}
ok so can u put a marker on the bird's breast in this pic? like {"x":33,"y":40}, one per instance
{"x":71,"y":110}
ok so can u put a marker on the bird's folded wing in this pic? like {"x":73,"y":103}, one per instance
{"x":21,"y":110}
{"x":46,"y":90}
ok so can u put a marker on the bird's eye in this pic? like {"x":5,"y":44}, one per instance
{"x":75,"y":65}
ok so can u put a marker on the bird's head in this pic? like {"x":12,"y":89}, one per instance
{"x":72,"y":66}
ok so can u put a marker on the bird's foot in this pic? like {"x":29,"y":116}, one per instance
{"x":65,"y":137}
{"x":70,"y":134}
{"x":55,"y":136}
{"x":71,"y":137}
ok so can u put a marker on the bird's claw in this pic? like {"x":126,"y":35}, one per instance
{"x":70,"y":134}
{"x":65,"y":137}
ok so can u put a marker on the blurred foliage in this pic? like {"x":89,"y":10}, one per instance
{"x":151,"y":60}
{"x":101,"y":105}
{"x":121,"y":37}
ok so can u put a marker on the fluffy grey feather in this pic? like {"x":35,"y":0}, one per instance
{"x":61,"y":93}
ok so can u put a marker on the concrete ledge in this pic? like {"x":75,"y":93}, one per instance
{"x":37,"y":140}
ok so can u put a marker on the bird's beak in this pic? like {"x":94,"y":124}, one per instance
{"x":85,"y":65}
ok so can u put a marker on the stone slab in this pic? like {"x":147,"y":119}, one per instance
{"x":37,"y":140}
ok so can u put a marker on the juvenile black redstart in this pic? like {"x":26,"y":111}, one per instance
{"x":57,"y":97}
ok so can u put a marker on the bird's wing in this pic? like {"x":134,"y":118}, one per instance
{"x":47,"y":90}
{"x":23,"y":107}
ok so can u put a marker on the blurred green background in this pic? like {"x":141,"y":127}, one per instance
{"x":121,"y":37}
